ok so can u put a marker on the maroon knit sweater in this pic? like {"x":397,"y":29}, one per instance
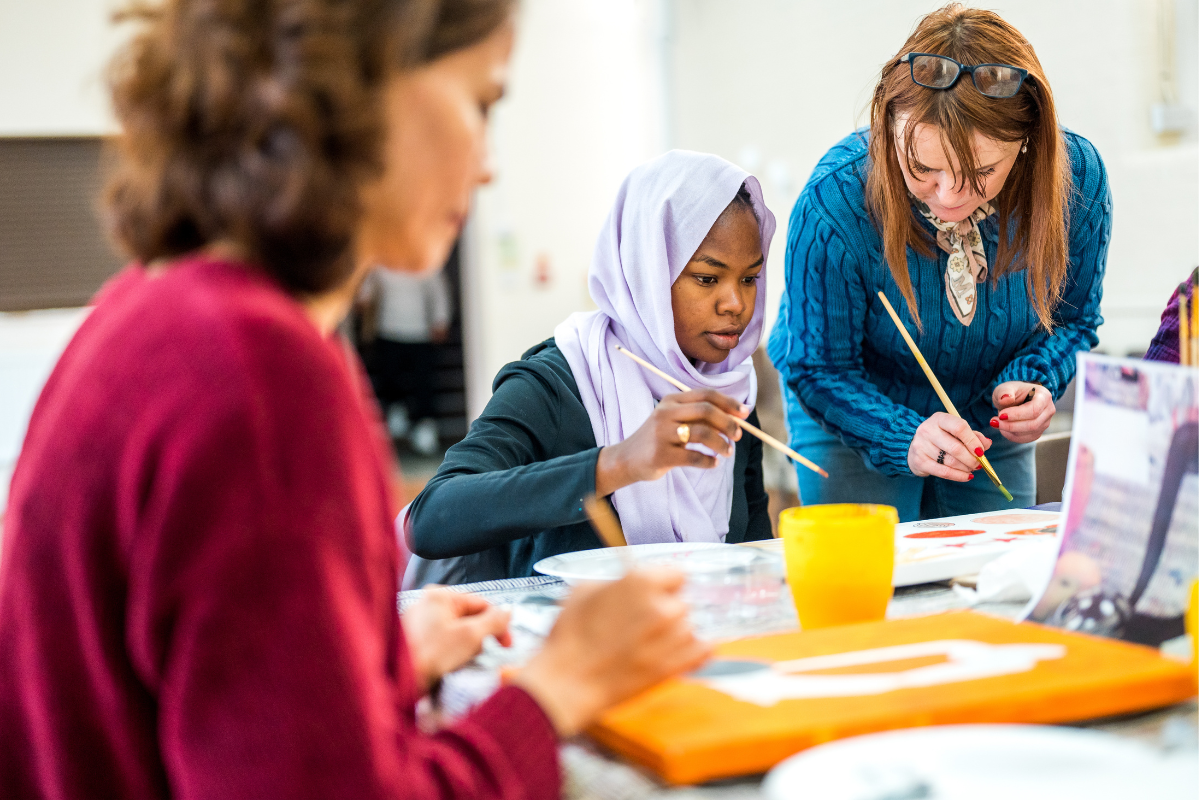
{"x":198,"y":576}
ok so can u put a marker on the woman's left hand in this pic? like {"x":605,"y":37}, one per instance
{"x":445,"y":630}
{"x":1019,"y":419}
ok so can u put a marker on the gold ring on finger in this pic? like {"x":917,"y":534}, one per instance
{"x":684,"y":432}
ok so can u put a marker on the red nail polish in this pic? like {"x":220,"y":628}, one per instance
{"x":978,"y":451}
{"x":1003,"y":417}
{"x":994,"y":423}
{"x":1004,"y":396}
{"x":970,"y":477}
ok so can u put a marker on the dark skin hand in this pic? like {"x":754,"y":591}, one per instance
{"x":713,"y":301}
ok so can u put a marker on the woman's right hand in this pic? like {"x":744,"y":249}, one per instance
{"x":655,"y":447}
{"x":611,"y":641}
{"x":952,"y":434}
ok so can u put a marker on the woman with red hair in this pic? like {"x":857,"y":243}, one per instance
{"x":986,"y":224}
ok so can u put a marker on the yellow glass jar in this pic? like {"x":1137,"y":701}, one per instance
{"x":840,"y":559}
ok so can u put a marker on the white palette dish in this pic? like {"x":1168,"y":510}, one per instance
{"x":943,"y":566}
{"x":983,"y":762}
{"x":607,"y":564}
{"x":943,"y":556}
{"x":939,"y":557}
{"x":940,"y":566}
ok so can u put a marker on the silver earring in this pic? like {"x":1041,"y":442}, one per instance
{"x":1024,"y":149}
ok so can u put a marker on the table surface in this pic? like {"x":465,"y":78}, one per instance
{"x":590,"y":773}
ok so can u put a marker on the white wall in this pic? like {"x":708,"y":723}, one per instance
{"x":585,"y":105}
{"x":52,"y":58}
{"x":772,"y":84}
{"x":30,"y":343}
{"x":599,"y":86}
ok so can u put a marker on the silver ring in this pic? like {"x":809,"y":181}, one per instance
{"x":941,"y":457}
{"x":684,"y":432}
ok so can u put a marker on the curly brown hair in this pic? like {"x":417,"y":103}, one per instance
{"x":1034,"y":202}
{"x":256,"y":122}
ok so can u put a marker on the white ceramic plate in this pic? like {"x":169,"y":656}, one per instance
{"x":912,"y":570}
{"x":606,"y":564}
{"x":911,"y":573}
{"x":983,"y":762}
{"x":990,"y":535}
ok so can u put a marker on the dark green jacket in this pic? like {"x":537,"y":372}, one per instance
{"x":514,"y":486}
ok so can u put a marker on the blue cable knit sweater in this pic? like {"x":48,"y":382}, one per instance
{"x":839,"y":353}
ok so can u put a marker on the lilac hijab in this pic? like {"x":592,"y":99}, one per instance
{"x":663,"y":211}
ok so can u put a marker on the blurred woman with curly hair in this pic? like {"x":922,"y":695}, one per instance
{"x":199,"y":569}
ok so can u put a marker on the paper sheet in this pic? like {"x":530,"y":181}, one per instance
{"x":1130,"y":536}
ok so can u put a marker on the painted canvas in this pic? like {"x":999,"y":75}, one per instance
{"x":1130,"y":540}
{"x":762,"y":699}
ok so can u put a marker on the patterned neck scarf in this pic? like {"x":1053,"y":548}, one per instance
{"x":967,"y":259}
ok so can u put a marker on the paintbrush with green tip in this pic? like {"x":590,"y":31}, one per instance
{"x":941,"y":392}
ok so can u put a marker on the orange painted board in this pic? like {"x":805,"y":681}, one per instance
{"x":687,"y":732}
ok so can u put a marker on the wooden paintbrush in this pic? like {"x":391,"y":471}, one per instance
{"x":1194,"y":357}
{"x":1193,"y":343}
{"x":761,"y":434}
{"x":941,"y":392}
{"x":1184,"y":333}
{"x":1188,"y":321}
{"x":606,"y":525}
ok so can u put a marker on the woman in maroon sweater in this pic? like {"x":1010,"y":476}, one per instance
{"x":197,"y":585}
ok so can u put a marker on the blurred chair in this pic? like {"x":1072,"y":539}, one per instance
{"x":1053,"y":453}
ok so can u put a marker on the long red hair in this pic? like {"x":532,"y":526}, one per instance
{"x":1035,"y":196}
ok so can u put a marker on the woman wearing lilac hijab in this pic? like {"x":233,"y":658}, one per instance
{"x":678,"y":279}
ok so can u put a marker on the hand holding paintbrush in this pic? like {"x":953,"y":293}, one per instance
{"x":960,"y":436}
{"x":1023,"y":411}
{"x":660,"y":444}
{"x":751,"y":429}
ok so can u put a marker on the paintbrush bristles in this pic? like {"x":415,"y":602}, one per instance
{"x":765,"y":437}
{"x":604,"y":521}
{"x":928,"y":372}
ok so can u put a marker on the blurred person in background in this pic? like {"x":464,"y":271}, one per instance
{"x":199,"y":569}
{"x":409,"y":315}
{"x":964,"y":143}
{"x":1164,"y":346}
